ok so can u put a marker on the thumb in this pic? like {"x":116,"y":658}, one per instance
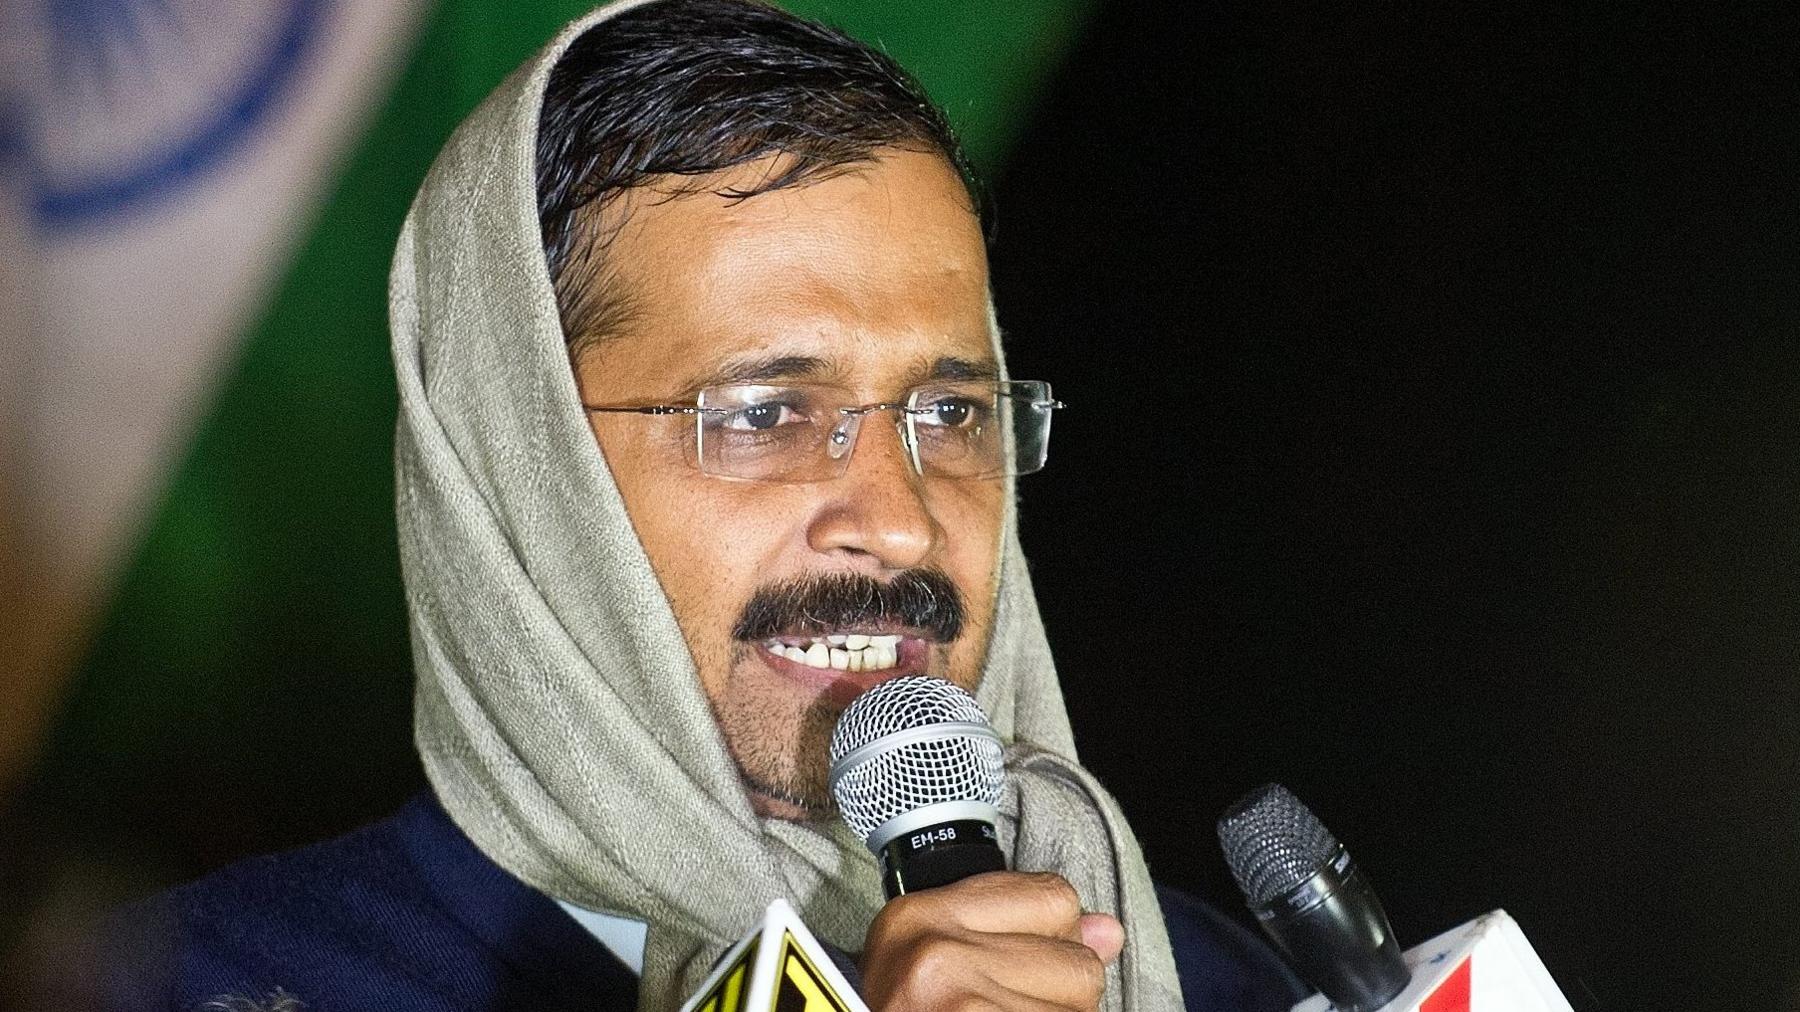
{"x":1102,"y":933}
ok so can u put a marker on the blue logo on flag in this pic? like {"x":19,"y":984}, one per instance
{"x":134,"y":100}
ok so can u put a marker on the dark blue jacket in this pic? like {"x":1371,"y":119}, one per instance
{"x":407,"y":914}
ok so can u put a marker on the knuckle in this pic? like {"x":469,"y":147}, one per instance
{"x":898,"y":919}
{"x":1057,"y":896}
{"x":938,"y":965}
{"x":881,"y":933}
{"x":930,"y":973}
{"x":917,"y":972}
{"x":1090,"y":972}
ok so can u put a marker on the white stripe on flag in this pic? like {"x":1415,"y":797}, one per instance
{"x":173,"y":151}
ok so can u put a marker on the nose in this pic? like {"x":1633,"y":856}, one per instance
{"x":876,"y":513}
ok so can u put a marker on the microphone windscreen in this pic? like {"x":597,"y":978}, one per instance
{"x":1273,"y":843}
{"x":910,"y":743}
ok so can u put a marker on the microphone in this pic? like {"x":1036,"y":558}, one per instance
{"x":916,"y":769}
{"x":1311,"y":900}
{"x":1485,"y":965}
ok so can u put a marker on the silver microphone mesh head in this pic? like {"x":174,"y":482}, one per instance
{"x":1273,"y":842}
{"x":909,"y":743}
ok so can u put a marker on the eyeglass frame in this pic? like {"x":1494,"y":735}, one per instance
{"x":840,"y":436}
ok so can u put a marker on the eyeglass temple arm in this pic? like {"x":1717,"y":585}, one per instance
{"x":901,"y":407}
{"x":691,"y":409}
{"x":650,"y":409}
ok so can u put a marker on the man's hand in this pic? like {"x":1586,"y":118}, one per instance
{"x":1003,"y":940}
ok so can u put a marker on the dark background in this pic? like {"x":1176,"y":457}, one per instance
{"x":1432,"y":450}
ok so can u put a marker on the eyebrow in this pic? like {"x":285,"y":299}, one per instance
{"x":950,"y":367}
{"x":790,"y":368}
{"x":768,"y":367}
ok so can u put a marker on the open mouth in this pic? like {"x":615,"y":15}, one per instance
{"x":859,"y":652}
{"x":840,"y":666}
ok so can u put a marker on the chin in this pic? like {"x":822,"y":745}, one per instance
{"x":778,"y":734}
{"x":779,"y":790}
{"x":770,"y":807}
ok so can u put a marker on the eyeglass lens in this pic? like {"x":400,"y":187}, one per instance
{"x":807,"y":432}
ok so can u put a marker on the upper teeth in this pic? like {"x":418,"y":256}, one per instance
{"x":842,"y":651}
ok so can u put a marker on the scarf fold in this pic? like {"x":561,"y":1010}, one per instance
{"x":557,"y":711}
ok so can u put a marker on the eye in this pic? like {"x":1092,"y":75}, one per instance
{"x":953,"y":412}
{"x":761,"y":417}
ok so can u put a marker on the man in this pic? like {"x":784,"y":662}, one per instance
{"x":699,"y":385}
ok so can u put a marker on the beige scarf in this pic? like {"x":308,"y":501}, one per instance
{"x":558,"y":713}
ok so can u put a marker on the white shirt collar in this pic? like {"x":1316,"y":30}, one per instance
{"x":622,"y":936}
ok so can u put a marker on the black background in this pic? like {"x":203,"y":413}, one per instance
{"x":1433,"y":375}
{"x":1431,"y":450}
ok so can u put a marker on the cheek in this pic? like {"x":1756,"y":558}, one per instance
{"x":711,"y":544}
{"x":707,"y":551}
{"x":706,"y":567}
{"x":969,"y":514}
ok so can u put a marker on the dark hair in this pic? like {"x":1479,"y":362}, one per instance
{"x":690,"y":87}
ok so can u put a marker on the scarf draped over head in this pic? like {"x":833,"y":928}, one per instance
{"x":557,"y":710}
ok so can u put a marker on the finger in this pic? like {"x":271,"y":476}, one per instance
{"x":1013,"y":1001}
{"x":1047,"y":969}
{"x":1002,"y":902}
{"x":1102,"y":933}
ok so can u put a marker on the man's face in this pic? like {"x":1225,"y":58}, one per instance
{"x":874,"y":279}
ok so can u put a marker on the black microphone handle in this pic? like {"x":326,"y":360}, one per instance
{"x":1335,"y":935}
{"x":939,"y":854}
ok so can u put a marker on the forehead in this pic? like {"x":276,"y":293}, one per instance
{"x":876,"y":271}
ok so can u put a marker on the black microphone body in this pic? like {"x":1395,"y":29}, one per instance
{"x":938,"y":855}
{"x":1311,"y":900}
{"x":1334,"y":934}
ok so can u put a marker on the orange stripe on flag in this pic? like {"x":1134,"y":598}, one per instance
{"x":1452,"y":995}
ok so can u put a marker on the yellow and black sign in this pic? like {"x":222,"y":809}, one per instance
{"x":780,"y":967}
{"x":799,"y":986}
{"x":729,"y":993}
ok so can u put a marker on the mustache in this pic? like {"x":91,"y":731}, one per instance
{"x":922,"y":599}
